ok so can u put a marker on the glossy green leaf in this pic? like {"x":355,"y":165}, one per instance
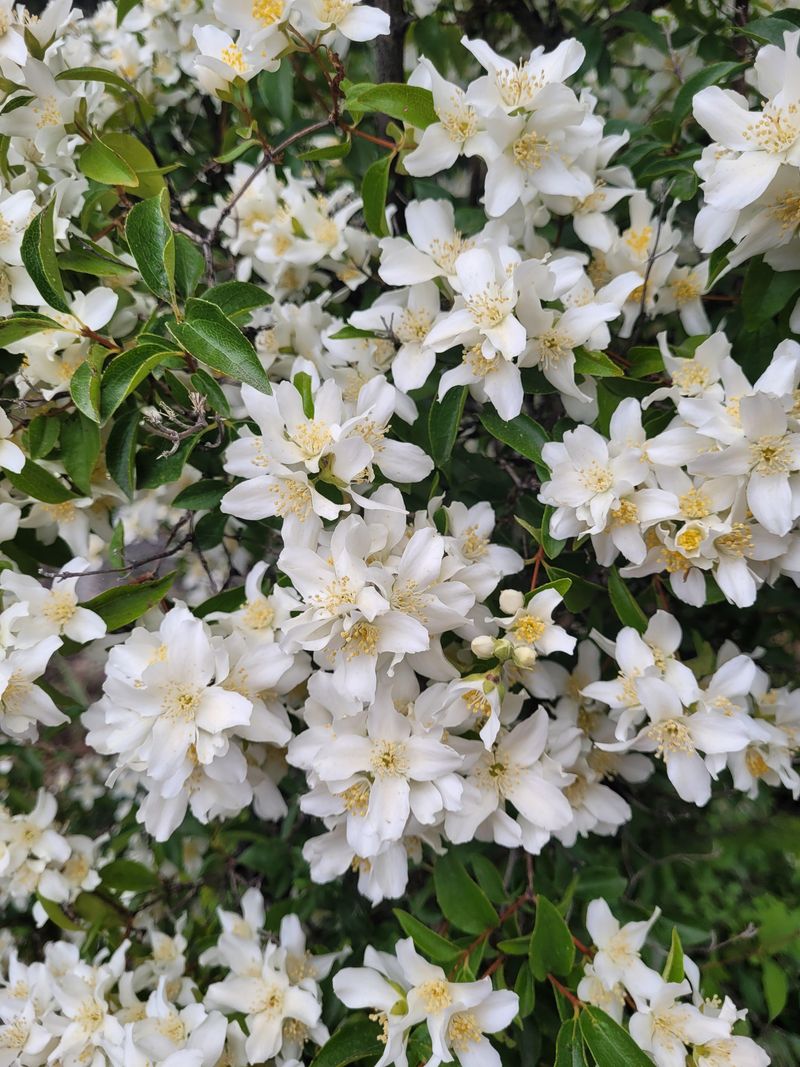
{"x":152,"y":244}
{"x":775,"y":982}
{"x":709,"y":74}
{"x":84,"y":385}
{"x":39,"y":256}
{"x":189,"y":265}
{"x":461,"y":899}
{"x":354,"y":1041}
{"x":236,"y":298}
{"x":552,"y":948}
{"x":444,"y":419}
{"x":608,"y":1042}
{"x":24,"y":324}
{"x":210,"y":336}
{"x":97,"y":74}
{"x":408,"y":103}
{"x":523,"y":433}
{"x":80,"y":448}
{"x":121,"y":451}
{"x":628,"y":611}
{"x":129,"y":875}
{"x":201,"y":495}
{"x":569,"y":1045}
{"x":374,"y":188}
{"x":127,"y":371}
{"x":430,"y":944}
{"x":40,"y":484}
{"x":125,"y":604}
{"x":102,"y":164}
{"x":596,"y":364}
{"x":673,"y":968}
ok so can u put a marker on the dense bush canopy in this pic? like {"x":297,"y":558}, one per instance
{"x":399,"y":540}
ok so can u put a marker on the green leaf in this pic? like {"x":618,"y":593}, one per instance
{"x":711,"y":74}
{"x":84,"y":385}
{"x":608,"y":1042}
{"x":129,"y":875}
{"x":141,"y":161}
{"x":444,"y":419}
{"x":526,"y":991}
{"x":125,"y":604}
{"x":553,"y":546}
{"x":236,"y":298}
{"x":276,"y":89}
{"x":128,"y":370}
{"x":121,"y":451}
{"x":569,"y":1045}
{"x":673,"y":968}
{"x":433,"y":945}
{"x":462,"y":900}
{"x":374,"y":188}
{"x":350,"y":333}
{"x":95,"y":260}
{"x":628,"y":611}
{"x":340,"y":150}
{"x":515,"y":946}
{"x":102,"y":164}
{"x":768,"y":30}
{"x":56,"y":914}
{"x":123,"y":7}
{"x":41,"y":435}
{"x":596,"y":364}
{"x":523,"y":433}
{"x":23,"y":324}
{"x":210,"y":336}
{"x":39,"y":256}
{"x":552,"y":948}
{"x":776,"y":988}
{"x":97,"y":74}
{"x":189,"y":265}
{"x":408,"y":103}
{"x":152,"y":244}
{"x":356,"y":1039}
{"x":116,"y":546}
{"x":39,"y":483}
{"x":204,"y":384}
{"x":766,"y":293}
{"x":201,"y":495}
{"x":80,"y":447}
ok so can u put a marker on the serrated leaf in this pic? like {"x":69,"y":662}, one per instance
{"x":38,"y":252}
{"x":552,"y":949}
{"x":622,"y":600}
{"x":608,"y":1042}
{"x":444,"y":419}
{"x":461,"y":899}
{"x":126,"y":603}
{"x":152,"y":244}
{"x":374,"y":189}
{"x":210,"y":336}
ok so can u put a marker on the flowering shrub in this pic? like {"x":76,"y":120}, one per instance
{"x":399,"y":534}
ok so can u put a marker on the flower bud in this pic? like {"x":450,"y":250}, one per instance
{"x":511,"y":600}
{"x":483,"y":646}
{"x":524,"y":657}
{"x":503,"y":649}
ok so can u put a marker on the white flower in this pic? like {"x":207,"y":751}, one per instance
{"x":618,"y":957}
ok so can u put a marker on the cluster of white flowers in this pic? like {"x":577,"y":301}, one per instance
{"x":404,"y":989}
{"x":714,"y":493}
{"x":671,"y":1020}
{"x":36,"y":859}
{"x":111,"y":1013}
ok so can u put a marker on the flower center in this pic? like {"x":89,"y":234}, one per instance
{"x":463,"y":1031}
{"x":460,"y":122}
{"x":60,"y":607}
{"x":435,"y":995}
{"x":530,"y":150}
{"x":624,"y":513}
{"x":738,"y":542}
{"x":528,"y":628}
{"x":554,"y":345}
{"x":360,"y":640}
{"x":771,"y":455}
{"x":389,"y":759}
{"x":671,"y":736}
{"x":488,"y":308}
{"x":694,"y":504}
{"x":775,"y":129}
{"x":598,"y":479}
{"x":413,"y":326}
{"x":181,"y":701}
{"x":639,"y":240}
{"x":267,"y":12}
{"x":234,"y":58}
